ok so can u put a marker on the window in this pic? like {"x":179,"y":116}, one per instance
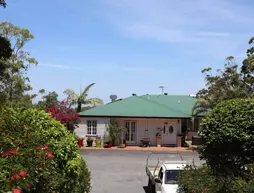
{"x":171,"y":176}
{"x":91,"y":127}
{"x":161,"y":174}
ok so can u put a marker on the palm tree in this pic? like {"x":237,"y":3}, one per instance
{"x":201,"y":107}
{"x":79,"y":100}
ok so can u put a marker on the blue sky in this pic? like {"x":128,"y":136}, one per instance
{"x":128,"y":46}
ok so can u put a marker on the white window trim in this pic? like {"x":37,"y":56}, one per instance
{"x":92,"y":127}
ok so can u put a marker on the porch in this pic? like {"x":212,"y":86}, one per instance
{"x":140,"y":128}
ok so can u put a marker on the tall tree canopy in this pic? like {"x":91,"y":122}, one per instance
{"x":79,"y":100}
{"x":3,"y":3}
{"x":229,"y":83}
{"x":13,"y":80}
{"x":48,"y":100}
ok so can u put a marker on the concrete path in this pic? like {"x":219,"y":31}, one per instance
{"x":117,"y":171}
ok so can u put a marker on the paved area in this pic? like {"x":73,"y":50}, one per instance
{"x":135,"y":148}
{"x":119,"y":171}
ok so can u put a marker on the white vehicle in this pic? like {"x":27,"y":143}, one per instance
{"x":162,"y":176}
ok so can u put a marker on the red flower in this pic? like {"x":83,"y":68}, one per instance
{"x":17,"y":191}
{"x":49,"y":155}
{"x":17,"y":176}
{"x":46,"y":146}
{"x":13,"y":151}
{"x":39,"y":148}
{"x":206,"y":189}
{"x":28,"y":185}
{"x":4,"y":154}
{"x":23,"y":174}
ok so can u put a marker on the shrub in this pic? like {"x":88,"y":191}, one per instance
{"x":227,"y":133}
{"x":203,"y":180}
{"x":67,"y":116}
{"x":38,"y":154}
{"x":198,"y":180}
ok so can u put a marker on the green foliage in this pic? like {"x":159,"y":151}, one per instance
{"x":42,"y":147}
{"x":79,"y":100}
{"x":227,"y":133}
{"x":202,"y":179}
{"x":3,"y":3}
{"x":198,"y":180}
{"x":48,"y":100}
{"x":115,"y":131}
{"x":13,"y":79}
{"x":5,"y":48}
{"x":229,"y":83}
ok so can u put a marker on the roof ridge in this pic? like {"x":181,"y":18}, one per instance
{"x":164,"y":106}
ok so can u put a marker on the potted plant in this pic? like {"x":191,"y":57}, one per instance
{"x":80,"y":142}
{"x":98,"y":142}
{"x":89,"y":142}
{"x":109,"y":142}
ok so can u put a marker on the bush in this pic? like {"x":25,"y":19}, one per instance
{"x":38,"y":154}
{"x":198,"y":180}
{"x":227,"y":133}
{"x":203,"y":180}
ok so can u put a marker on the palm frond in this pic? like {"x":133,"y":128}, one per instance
{"x":201,"y":107}
{"x":72,"y":97}
{"x":85,"y":92}
{"x":94,"y":101}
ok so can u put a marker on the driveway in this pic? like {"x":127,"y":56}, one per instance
{"x":116,"y":171}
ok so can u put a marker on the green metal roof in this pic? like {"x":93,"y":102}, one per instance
{"x":146,"y":106}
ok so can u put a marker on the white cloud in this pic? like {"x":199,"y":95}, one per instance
{"x":59,"y":66}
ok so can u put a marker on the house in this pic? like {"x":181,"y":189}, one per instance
{"x":143,"y":117}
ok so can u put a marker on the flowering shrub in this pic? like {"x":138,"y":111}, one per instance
{"x":38,"y":154}
{"x":198,"y":180}
{"x":67,"y":116}
{"x":202,"y":180}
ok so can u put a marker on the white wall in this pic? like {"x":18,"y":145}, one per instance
{"x":147,"y":128}
{"x":81,"y":131}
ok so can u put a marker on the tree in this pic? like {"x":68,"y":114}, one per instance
{"x":79,"y":100}
{"x":5,"y":49}
{"x":227,"y":133}
{"x":48,"y":100}
{"x":231,"y":82}
{"x":3,"y":3}
{"x":67,"y":116}
{"x":13,"y":80}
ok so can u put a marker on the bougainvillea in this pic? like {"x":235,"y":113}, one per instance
{"x":38,"y":154}
{"x":67,"y":116}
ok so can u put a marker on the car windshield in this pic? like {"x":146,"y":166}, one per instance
{"x":170,"y":177}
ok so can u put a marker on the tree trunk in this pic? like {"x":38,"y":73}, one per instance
{"x":79,"y":107}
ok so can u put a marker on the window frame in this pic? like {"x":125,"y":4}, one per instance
{"x":91,"y":127}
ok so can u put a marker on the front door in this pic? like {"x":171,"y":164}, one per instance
{"x":130,"y":134}
{"x":169,"y":132}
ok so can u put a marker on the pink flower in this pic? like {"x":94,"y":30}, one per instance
{"x":28,"y":185}
{"x":206,"y":189}
{"x":50,"y":155}
{"x":23,"y":174}
{"x":13,"y":151}
{"x":4,"y":154}
{"x":17,"y":176}
{"x":46,"y":146}
{"x":17,"y":191}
